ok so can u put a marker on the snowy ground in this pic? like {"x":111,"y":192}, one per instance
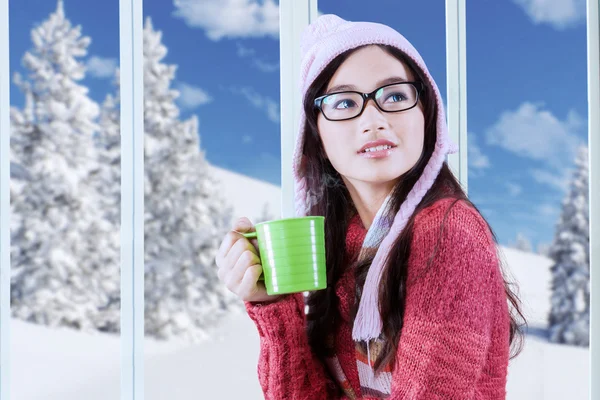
{"x":68,"y":365}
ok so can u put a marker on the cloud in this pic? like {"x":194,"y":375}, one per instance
{"x":539,"y":213}
{"x":477,"y":160}
{"x":230,"y":18}
{"x":246,"y":139}
{"x":548,"y":210}
{"x":264,"y":66}
{"x":560,"y":14}
{"x":191,"y":97}
{"x":261,"y":102}
{"x":535,"y":133}
{"x":556,"y":180}
{"x":245,"y":52}
{"x":100,"y":67}
{"x":514,"y":189}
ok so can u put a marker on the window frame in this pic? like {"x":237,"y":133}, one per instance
{"x":593,"y":85}
{"x":132,"y":198}
{"x":4,"y":203}
{"x":456,"y":87}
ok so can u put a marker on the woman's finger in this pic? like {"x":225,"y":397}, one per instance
{"x":240,"y":246}
{"x":246,"y":260}
{"x":243,"y":225}
{"x":228,"y":242}
{"x":248,"y":287}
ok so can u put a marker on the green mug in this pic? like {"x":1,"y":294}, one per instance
{"x":292,"y":254}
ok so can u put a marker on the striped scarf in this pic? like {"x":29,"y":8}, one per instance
{"x":376,"y":386}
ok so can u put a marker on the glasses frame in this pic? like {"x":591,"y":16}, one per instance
{"x":418,"y":85}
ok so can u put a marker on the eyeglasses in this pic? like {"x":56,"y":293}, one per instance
{"x":395,"y":97}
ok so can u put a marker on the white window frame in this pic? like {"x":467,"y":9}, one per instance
{"x":4,"y":204}
{"x":593,"y":81}
{"x":456,"y":87}
{"x":132,"y":199}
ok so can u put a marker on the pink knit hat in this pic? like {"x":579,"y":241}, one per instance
{"x":322,"y":41}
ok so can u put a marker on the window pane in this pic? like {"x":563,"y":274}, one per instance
{"x":212,"y":153}
{"x":528,"y":174}
{"x":65,"y":189}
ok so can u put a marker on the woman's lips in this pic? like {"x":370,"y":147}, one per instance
{"x":382,"y":153}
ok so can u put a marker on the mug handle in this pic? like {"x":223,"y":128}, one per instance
{"x":252,"y":235}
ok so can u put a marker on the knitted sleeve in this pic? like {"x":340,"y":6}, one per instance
{"x":287,"y":367}
{"x":451,"y":308}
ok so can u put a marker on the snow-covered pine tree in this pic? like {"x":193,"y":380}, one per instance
{"x":522,"y":243}
{"x":53,"y":270}
{"x":108,"y":144}
{"x":569,"y":318}
{"x":21,"y":125}
{"x":107,"y":181}
{"x":185,"y":218}
{"x":543,"y":249}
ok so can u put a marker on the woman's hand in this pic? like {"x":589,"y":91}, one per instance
{"x":239,"y":264}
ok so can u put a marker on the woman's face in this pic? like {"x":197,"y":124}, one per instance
{"x":364,"y":71}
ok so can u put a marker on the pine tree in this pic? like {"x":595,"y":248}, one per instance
{"x":53,"y":270}
{"x":107,"y":181}
{"x":522,"y":243}
{"x":568,"y":321}
{"x":108,"y":144}
{"x":21,"y":124}
{"x":543,"y":249}
{"x":185,"y":219}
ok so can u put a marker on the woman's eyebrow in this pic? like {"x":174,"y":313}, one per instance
{"x":340,"y":88}
{"x":386,"y":81}
{"x":390,"y":80}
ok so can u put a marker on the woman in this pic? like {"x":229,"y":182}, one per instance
{"x":416,"y":304}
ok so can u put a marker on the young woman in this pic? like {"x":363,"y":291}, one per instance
{"x":416,"y":305}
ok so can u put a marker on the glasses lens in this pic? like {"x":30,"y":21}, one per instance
{"x":342,"y":105}
{"x":397,"y":97}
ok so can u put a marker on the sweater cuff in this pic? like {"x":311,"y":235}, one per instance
{"x":272,"y":318}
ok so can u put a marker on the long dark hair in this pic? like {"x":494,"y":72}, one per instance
{"x":332,"y":200}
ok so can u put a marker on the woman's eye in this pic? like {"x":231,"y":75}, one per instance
{"x":395,"y":97}
{"x":346,"y":103}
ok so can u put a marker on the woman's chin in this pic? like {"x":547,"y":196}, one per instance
{"x":384,"y":178}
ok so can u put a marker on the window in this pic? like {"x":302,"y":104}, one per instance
{"x":64,"y":200}
{"x":527,"y":150}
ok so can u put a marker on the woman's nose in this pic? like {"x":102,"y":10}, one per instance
{"x":372,"y":118}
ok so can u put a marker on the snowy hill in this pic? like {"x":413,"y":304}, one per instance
{"x":70,"y":365}
{"x":248,"y":196}
{"x":532,"y":272}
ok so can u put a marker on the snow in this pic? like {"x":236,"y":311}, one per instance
{"x":255,"y":194}
{"x":532,"y":272}
{"x":73,"y":365}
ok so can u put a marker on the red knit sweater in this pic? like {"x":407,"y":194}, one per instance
{"x":455,"y":340}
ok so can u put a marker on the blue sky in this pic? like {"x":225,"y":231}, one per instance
{"x":526,"y":77}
